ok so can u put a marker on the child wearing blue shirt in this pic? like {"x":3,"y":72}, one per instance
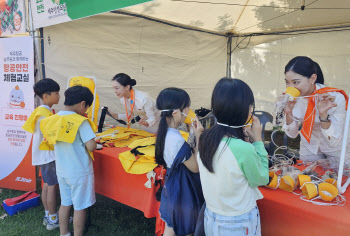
{"x":73,"y":137}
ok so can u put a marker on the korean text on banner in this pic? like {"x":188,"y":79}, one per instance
{"x":12,"y":17}
{"x":16,"y":105}
{"x":51,"y":12}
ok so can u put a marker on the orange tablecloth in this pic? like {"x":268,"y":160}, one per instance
{"x":285,"y":214}
{"x":112,"y":181}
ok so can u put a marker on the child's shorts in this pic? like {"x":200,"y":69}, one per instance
{"x":48,"y":172}
{"x":79,"y":191}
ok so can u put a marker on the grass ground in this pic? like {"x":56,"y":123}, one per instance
{"x":108,"y":217}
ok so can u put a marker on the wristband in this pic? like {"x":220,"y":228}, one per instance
{"x":326,"y":120}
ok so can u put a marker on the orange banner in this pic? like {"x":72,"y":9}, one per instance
{"x":23,"y":177}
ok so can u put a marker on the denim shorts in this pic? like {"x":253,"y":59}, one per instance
{"x":48,"y":172}
{"x":247,"y":224}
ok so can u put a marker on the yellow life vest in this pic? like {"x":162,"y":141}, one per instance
{"x":126,"y":142}
{"x":29,"y":126}
{"x":142,"y":160}
{"x":139,"y":162}
{"x":63,"y":128}
{"x":31,"y":121}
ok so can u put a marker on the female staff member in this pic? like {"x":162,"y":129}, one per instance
{"x":322,"y":112}
{"x":136,"y":103}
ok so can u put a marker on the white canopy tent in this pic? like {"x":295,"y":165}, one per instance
{"x":186,"y":43}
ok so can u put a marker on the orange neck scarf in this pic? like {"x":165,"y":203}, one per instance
{"x":308,"y":124}
{"x":132,"y":104}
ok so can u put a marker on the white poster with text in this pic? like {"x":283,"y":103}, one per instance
{"x":16,"y":105}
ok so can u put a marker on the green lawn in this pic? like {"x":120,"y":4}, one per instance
{"x":108,"y":217}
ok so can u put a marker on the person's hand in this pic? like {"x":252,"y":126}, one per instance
{"x":289,"y":106}
{"x":197,"y":127}
{"x":324,"y":103}
{"x":254,"y":131}
{"x":97,"y":139}
{"x":115,"y":115}
{"x":143,"y":122}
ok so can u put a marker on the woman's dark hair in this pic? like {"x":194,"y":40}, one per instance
{"x":45,"y":86}
{"x":168,"y":99}
{"x":77,"y":94}
{"x":124,"y":80}
{"x":230,"y":103}
{"x":305,"y":66}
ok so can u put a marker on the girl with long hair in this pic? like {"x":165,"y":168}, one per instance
{"x":182,"y":196}
{"x":230,"y":167}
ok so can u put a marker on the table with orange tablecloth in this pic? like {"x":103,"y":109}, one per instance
{"x":285,"y":214}
{"x":112,"y":181}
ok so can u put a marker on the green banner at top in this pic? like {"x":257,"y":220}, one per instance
{"x":51,"y":12}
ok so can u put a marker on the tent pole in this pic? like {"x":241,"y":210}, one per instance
{"x":35,"y":34}
{"x":229,"y":55}
{"x":341,"y":188}
{"x":42,"y":52}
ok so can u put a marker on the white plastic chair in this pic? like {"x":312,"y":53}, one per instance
{"x":93,"y":78}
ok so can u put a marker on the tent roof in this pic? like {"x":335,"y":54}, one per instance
{"x":244,"y":17}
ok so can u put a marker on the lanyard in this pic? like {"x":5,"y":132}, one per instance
{"x":132,"y":104}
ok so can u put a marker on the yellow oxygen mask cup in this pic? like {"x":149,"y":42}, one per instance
{"x":249,"y":121}
{"x":292,"y":93}
{"x":331,"y":181}
{"x":327,"y":191}
{"x":302,"y":179}
{"x":189,"y":117}
{"x":309,"y":190}
{"x":287,"y":183}
{"x":274,"y":180}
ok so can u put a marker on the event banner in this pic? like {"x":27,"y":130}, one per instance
{"x":16,"y":105}
{"x":12,"y":17}
{"x":51,"y":12}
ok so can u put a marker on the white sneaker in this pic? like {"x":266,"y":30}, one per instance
{"x":51,"y":225}
{"x":46,"y":220}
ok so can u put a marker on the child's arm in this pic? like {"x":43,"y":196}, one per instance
{"x":252,"y":158}
{"x":87,"y":136}
{"x":91,"y":145}
{"x":191,"y":163}
{"x":253,"y":162}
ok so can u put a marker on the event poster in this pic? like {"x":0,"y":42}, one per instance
{"x":16,"y":105}
{"x":51,"y":12}
{"x":12,"y":17}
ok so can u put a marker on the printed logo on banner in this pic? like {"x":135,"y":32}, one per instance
{"x":22,"y":179}
{"x":16,"y":105}
{"x":51,"y":12}
{"x":12,"y":17}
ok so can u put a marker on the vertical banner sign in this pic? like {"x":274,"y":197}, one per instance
{"x":51,"y":12}
{"x":12,"y":18}
{"x":16,"y":105}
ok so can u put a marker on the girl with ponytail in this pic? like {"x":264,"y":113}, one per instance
{"x":182,"y":196}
